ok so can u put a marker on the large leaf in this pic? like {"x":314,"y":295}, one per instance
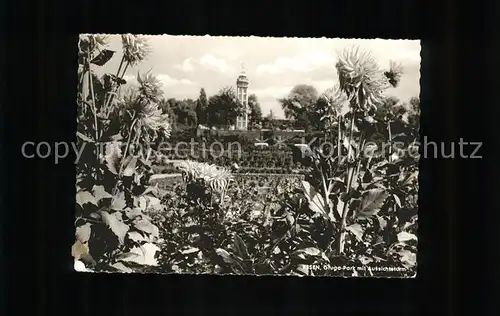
{"x":131,"y":256}
{"x":119,"y":202}
{"x":115,"y":223}
{"x":100,"y":193}
{"x":112,"y":156}
{"x":311,"y":251}
{"x":357,"y":230}
{"x":133,"y":213}
{"x":365,"y":260}
{"x":382,"y":222}
{"x":84,"y":138}
{"x":140,"y":202}
{"x":80,"y":267}
{"x":410,"y":178}
{"x":229,"y":259}
{"x":303,"y":270}
{"x":226,"y":256}
{"x":153,"y":203}
{"x":340,"y":207}
{"x":371,"y":202}
{"x":83,"y":232}
{"x":130,"y":169}
{"x":103,"y":57}
{"x":408,"y":258}
{"x":144,"y":255}
{"x":84,"y":197}
{"x":404,"y":236}
{"x":146,"y":226}
{"x":190,"y":250}
{"x":136,"y":236}
{"x":121,"y":267}
{"x":240,"y":247}
{"x":78,"y":250}
{"x":316,"y":201}
{"x":398,"y":201}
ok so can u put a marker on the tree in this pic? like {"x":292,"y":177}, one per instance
{"x":201,"y":107}
{"x":223,"y":108}
{"x":190,"y":103}
{"x":185,"y":112}
{"x":167,"y":109}
{"x":255,"y":110}
{"x":414,"y":114}
{"x":415,"y":105}
{"x":181,"y":112}
{"x":388,"y":108}
{"x":300,"y":104}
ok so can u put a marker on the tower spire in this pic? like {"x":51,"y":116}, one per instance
{"x":242,"y":68}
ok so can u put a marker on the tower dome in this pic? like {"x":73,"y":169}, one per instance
{"x":242,"y":80}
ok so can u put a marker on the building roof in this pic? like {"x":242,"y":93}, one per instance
{"x":243,"y":76}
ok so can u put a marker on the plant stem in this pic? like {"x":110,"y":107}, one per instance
{"x":120,"y":66}
{"x":356,"y":173}
{"x":125,"y":69}
{"x":110,"y":99}
{"x":326,"y":193}
{"x":390,"y":140}
{"x":94,"y":109}
{"x":122,"y":162}
{"x":345,"y":210}
{"x":349,"y":152}
{"x":339,"y":137}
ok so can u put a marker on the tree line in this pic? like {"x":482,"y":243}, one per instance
{"x":219,"y":110}
{"x":304,"y":108}
{"x":308,"y":109}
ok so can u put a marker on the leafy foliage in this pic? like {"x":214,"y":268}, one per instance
{"x":223,"y":108}
{"x":113,"y":231}
{"x":255,"y":110}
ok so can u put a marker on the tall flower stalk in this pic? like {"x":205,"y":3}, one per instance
{"x":147,"y":116}
{"x":362,"y":81}
{"x":88,"y":45}
{"x":135,"y":50}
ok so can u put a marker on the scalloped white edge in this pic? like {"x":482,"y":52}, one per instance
{"x":254,"y":36}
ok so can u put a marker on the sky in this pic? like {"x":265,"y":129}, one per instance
{"x":185,"y":64}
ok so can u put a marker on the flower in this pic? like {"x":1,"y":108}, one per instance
{"x":88,"y":43}
{"x":360,"y":78}
{"x":150,"y":87}
{"x":145,"y":102}
{"x":394,"y":73}
{"x":152,"y":119}
{"x":334,"y":101}
{"x":217,"y":178}
{"x":135,"y":48}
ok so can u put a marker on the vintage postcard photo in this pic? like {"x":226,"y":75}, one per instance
{"x":247,"y":156}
